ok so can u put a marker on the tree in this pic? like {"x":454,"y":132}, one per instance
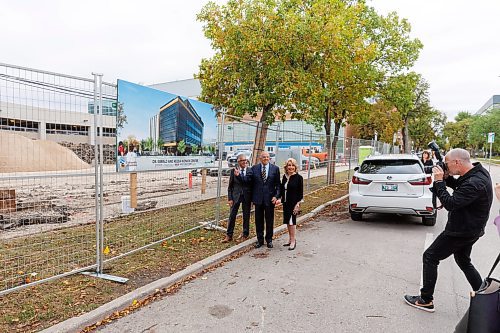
{"x":319,"y":60}
{"x":181,"y":147}
{"x":462,"y":115}
{"x":426,"y":126}
{"x":480,"y":127}
{"x":125,"y":145}
{"x":346,"y":52}
{"x":408,"y":93}
{"x":249,"y":72}
{"x":143,"y":145}
{"x":379,"y":117}
{"x":159,"y":144}
{"x":194,"y":149}
{"x":149,"y":144}
{"x":121,"y":117}
{"x":132,"y":142}
{"x":458,"y":131}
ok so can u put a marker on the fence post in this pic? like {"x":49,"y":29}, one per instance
{"x":330,"y":167}
{"x":309,"y":160}
{"x":277,"y":142}
{"x":97,"y":182}
{"x":101,"y":181}
{"x":219,"y":173}
{"x":350,"y":157}
{"x":203,"y":180}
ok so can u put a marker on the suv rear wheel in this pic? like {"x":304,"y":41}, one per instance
{"x":429,"y":220}
{"x":356,"y":216}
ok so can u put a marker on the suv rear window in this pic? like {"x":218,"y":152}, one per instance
{"x":391,"y":167}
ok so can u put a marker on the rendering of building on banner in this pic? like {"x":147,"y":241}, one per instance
{"x":177,"y":120}
{"x":163,"y":131}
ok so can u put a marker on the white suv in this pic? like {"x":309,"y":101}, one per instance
{"x":391,"y":184}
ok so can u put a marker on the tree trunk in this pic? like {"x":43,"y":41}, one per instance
{"x":333,"y":158}
{"x":406,"y":137}
{"x":330,"y":168}
{"x":261,"y":135}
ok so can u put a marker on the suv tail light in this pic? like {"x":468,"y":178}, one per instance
{"x":421,"y":181}
{"x":360,"y":181}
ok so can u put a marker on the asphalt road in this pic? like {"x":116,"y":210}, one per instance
{"x":344,"y":276}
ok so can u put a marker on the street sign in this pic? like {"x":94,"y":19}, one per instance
{"x":114,"y":105}
{"x":491,"y":137}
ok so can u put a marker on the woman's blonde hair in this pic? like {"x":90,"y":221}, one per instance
{"x":294,"y":162}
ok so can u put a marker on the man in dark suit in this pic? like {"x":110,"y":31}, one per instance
{"x":265,"y":178}
{"x":239,"y":192}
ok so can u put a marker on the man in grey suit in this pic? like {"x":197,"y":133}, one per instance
{"x":265,"y":178}
{"x":239,"y":192}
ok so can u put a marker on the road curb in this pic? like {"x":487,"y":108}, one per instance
{"x":77,"y":324}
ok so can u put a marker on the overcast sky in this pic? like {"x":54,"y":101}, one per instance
{"x":157,"y":41}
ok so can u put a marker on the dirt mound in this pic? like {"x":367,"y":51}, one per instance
{"x":21,"y":154}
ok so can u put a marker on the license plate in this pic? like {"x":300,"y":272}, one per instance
{"x":389,"y":187}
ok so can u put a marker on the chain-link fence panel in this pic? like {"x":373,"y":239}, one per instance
{"x":291,"y":139}
{"x":47,"y":174}
{"x":62,"y":213}
{"x":169,"y":203}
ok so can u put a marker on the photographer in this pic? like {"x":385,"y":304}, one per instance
{"x":468,"y":211}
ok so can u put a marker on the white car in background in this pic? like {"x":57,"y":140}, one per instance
{"x":314,"y":162}
{"x":272,"y":158}
{"x":394,"y":184}
{"x":232,"y":161}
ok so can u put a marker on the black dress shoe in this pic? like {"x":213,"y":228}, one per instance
{"x":287,"y":244}
{"x":291,"y":248}
{"x":257,"y":245}
{"x":270,"y":245}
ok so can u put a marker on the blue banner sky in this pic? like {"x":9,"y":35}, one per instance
{"x":140,"y":103}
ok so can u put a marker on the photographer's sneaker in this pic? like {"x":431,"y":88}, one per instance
{"x":419,"y":303}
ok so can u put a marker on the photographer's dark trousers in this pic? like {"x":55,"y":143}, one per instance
{"x":443,"y":247}
{"x":246,"y":204}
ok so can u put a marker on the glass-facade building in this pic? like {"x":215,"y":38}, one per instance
{"x":492,"y":103}
{"x":108,"y":107}
{"x":178,"y":121}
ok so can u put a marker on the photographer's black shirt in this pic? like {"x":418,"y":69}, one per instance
{"x":469,"y":206}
